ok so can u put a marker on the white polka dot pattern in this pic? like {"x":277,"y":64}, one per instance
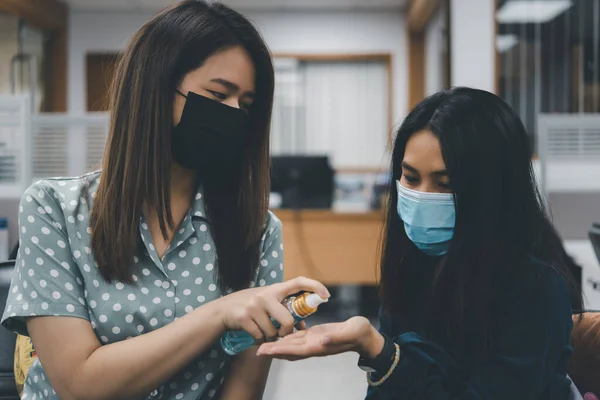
{"x":57,"y":275}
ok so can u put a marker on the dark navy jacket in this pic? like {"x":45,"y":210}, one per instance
{"x":529,"y":357}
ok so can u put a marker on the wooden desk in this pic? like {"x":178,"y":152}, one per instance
{"x":342,"y":246}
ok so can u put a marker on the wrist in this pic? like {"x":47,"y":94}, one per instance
{"x":219,"y":310}
{"x":372,"y":345}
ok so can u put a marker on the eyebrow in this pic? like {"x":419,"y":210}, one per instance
{"x":440,"y":173}
{"x":232,"y":86}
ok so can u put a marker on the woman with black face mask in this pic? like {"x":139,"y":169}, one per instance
{"x":475,"y":284}
{"x":127,"y":277}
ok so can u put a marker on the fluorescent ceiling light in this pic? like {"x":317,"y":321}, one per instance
{"x":531,"y":11}
{"x":506,"y":42}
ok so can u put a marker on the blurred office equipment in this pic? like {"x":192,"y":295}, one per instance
{"x":4,"y":243}
{"x":381,"y":191}
{"x":8,"y":389}
{"x":353,"y":192}
{"x":303,"y":182}
{"x":7,"y":163}
{"x":568,"y":147}
{"x":15,"y":115}
{"x":595,"y":238}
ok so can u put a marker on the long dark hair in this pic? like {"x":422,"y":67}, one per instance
{"x":500,"y":221}
{"x":137,"y":161}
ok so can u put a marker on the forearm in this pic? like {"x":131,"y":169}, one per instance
{"x":247,"y":377}
{"x":134,"y":367}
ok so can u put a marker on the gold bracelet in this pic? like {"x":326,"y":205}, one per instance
{"x":387,"y":375}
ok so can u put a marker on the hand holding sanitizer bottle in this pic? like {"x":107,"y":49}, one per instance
{"x":234,"y":342}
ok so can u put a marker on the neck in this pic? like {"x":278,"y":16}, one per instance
{"x":183,"y":187}
{"x":183,"y":182}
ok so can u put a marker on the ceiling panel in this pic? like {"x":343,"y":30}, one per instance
{"x":106,"y":5}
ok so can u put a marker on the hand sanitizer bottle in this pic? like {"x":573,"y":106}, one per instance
{"x":234,"y":342}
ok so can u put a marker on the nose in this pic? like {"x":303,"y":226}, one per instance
{"x":232,"y":101}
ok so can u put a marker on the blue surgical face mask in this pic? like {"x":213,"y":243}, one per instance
{"x":428,"y":219}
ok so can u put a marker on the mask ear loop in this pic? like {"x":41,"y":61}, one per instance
{"x":177,"y":90}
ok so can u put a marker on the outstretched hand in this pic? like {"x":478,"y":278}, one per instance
{"x":356,"y":334}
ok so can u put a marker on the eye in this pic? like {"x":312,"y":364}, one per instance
{"x":218,"y":95}
{"x":246,"y":107}
{"x":445,"y":185}
{"x":410,"y":179}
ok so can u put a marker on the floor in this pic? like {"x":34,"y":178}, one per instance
{"x":329,"y":378}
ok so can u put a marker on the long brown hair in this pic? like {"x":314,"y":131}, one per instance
{"x":137,"y":160}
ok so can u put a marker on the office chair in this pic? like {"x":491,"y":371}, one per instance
{"x":595,"y":238}
{"x":8,"y":389}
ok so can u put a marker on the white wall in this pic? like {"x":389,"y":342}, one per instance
{"x":434,"y":57}
{"x":95,"y":32}
{"x":285,"y":32}
{"x":473,"y":41}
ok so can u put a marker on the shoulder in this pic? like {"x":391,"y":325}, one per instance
{"x":62,"y":191}
{"x":536,"y":274}
{"x":272,"y":224}
{"x":536,"y":286}
{"x":57,"y":202}
{"x":272,"y":233}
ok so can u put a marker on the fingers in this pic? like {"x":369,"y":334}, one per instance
{"x":255,"y":320}
{"x":301,"y":326}
{"x":302,"y":284}
{"x":264,"y":323}
{"x":289,"y":348}
{"x":295,"y":339}
{"x":281,"y":314}
{"x":253,"y":330}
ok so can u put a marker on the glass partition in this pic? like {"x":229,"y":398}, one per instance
{"x":549,"y":57}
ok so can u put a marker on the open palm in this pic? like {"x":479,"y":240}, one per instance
{"x":319,"y":341}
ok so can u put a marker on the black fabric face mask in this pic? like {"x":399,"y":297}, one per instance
{"x":209,"y":135}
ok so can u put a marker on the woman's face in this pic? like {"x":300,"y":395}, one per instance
{"x":423,"y":168}
{"x":227,"y":77}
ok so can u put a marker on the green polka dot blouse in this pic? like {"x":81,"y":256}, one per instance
{"x":56,"y":275}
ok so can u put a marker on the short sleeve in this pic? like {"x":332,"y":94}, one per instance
{"x":46,"y":280}
{"x":270,"y":269}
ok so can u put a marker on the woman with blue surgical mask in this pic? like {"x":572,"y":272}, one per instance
{"x":477,"y":297}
